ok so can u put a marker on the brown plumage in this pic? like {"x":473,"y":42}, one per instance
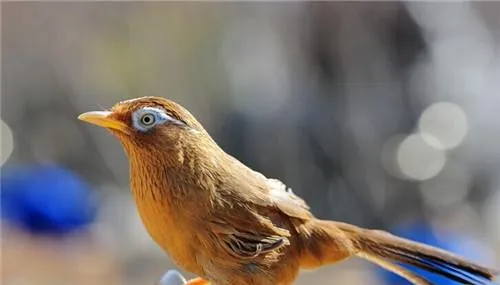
{"x":231,"y":225}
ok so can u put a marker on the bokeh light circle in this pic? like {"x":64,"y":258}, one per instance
{"x":7,"y":142}
{"x":443,"y":125}
{"x":418,"y":160}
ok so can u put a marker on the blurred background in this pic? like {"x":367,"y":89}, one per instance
{"x":384,"y":115}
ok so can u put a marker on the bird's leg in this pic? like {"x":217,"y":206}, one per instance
{"x":197,"y":281}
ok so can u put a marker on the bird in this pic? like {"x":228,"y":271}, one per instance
{"x":231,"y":225}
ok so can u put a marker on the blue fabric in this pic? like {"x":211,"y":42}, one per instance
{"x":46,"y":199}
{"x":459,"y":245}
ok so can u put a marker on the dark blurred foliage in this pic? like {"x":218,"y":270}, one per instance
{"x":321,"y":106}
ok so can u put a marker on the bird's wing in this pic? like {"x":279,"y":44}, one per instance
{"x":276,"y":194}
{"x":255,"y":215}
{"x":268,"y":193}
{"x":246,"y":243}
{"x":281,"y":194}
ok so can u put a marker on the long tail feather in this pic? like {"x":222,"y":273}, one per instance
{"x":387,"y":246}
{"x":396,"y":269}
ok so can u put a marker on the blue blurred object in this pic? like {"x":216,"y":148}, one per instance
{"x":172,"y":277}
{"x":421,"y":232}
{"x":46,"y":199}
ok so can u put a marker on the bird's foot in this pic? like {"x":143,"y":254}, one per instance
{"x":174,"y":277}
{"x":198,"y":281}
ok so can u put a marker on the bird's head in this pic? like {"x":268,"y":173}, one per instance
{"x":149,"y":125}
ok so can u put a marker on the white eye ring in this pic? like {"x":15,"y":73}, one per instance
{"x":148,"y":119}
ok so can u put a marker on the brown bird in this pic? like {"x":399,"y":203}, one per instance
{"x":231,"y":225}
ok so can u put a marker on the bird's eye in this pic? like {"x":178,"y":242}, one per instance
{"x":148,"y":119}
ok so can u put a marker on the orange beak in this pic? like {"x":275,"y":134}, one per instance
{"x":104,"y":119}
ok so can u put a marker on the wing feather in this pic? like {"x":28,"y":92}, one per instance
{"x":245,"y":244}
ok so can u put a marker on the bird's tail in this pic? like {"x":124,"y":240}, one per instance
{"x":383,"y":248}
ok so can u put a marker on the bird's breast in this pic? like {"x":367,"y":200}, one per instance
{"x":169,"y":229}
